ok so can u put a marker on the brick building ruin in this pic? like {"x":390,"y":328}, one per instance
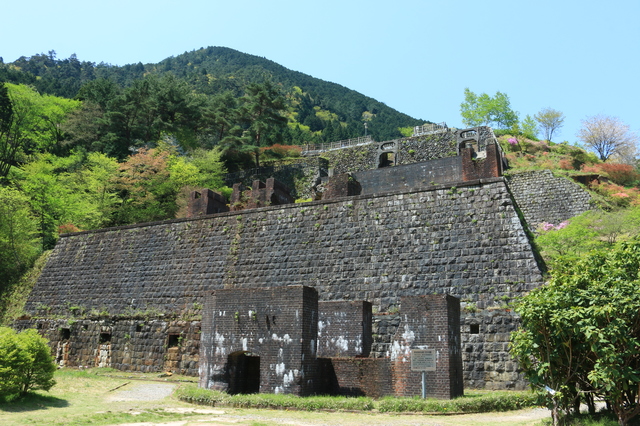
{"x":440,"y":227}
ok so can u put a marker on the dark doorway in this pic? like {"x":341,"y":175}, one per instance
{"x":386,"y":159}
{"x":244,"y":372}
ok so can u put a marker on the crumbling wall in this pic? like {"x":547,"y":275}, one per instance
{"x":299,"y":175}
{"x":131,"y":344}
{"x":204,"y":202}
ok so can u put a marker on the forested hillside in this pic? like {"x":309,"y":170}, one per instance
{"x":86,"y":145}
{"x":317,"y":110}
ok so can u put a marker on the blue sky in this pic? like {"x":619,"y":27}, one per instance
{"x":579,"y":57}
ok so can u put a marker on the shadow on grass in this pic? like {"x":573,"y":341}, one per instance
{"x":32,"y":402}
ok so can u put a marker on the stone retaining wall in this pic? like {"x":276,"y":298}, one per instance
{"x":462,"y":239}
{"x":543,"y":197}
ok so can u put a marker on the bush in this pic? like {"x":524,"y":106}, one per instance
{"x":502,"y":401}
{"x":25,"y":363}
{"x":621,"y":174}
{"x":617,"y":194}
{"x":580,"y":332}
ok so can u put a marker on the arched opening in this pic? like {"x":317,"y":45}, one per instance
{"x":244,"y":372}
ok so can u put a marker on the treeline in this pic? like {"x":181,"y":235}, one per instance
{"x":318,"y":110}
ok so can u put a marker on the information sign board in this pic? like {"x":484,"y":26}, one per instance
{"x":423,"y":360}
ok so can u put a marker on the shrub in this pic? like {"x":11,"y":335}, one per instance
{"x":68,"y":228}
{"x":25,"y":363}
{"x":621,"y":174}
{"x":502,"y":401}
{"x":617,"y":194}
{"x":580,"y":332}
{"x":566,"y":164}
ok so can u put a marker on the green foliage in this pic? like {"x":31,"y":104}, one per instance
{"x":594,"y":229}
{"x":550,"y":121}
{"x":68,"y":190}
{"x":145,"y":188}
{"x":494,"y":402}
{"x":14,"y":295}
{"x":529,"y":128}
{"x":406,"y":132}
{"x":208,"y":72}
{"x":25,"y":363}
{"x":580,"y":333}
{"x":260,"y":120}
{"x":484,"y":110}
{"x":18,"y":242}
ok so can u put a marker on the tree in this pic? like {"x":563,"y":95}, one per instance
{"x":211,"y":168}
{"x":220,"y":115}
{"x":75,"y":190}
{"x":485,"y":110}
{"x":607,"y":136}
{"x":8,"y":149}
{"x":145,"y":187}
{"x":25,"y":363}
{"x":31,"y":123}
{"x":580,"y":333}
{"x":550,"y":121}
{"x":259,"y":121}
{"x":18,"y":241}
{"x":529,"y":128}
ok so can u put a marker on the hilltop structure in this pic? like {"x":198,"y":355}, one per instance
{"x":426,"y":254}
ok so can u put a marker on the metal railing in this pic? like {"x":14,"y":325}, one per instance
{"x":312,"y":149}
{"x":268,"y":171}
{"x":430,"y":129}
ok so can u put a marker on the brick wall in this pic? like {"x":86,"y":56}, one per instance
{"x":344,"y":329}
{"x":428,"y":322}
{"x":356,"y":377}
{"x":278,"y":325}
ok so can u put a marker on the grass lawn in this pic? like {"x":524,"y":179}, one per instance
{"x":109,"y":397}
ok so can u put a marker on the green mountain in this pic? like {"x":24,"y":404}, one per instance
{"x":317,"y":110}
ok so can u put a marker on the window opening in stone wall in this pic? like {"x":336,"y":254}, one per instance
{"x":105,"y":338}
{"x":173,"y":341}
{"x":386,"y":160}
{"x":243,"y":368}
{"x":65,"y":334}
{"x":138,"y":328}
{"x":85,"y":326}
{"x":474,"y":328}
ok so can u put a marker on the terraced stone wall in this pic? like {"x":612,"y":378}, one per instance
{"x":543,"y":197}
{"x":463,"y":239}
